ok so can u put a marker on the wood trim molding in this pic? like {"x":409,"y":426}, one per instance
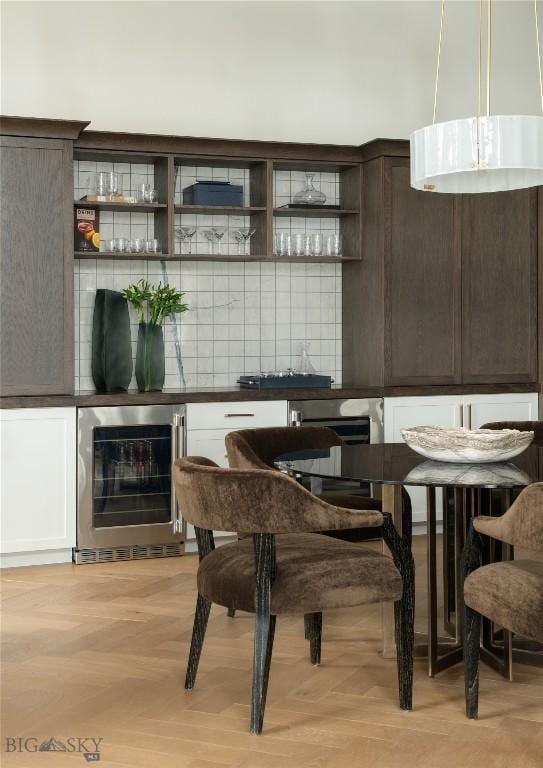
{"x":191,"y":145}
{"x":384,"y":147}
{"x":41,"y":128}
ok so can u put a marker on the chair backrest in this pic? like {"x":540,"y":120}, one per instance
{"x":523,"y":426}
{"x":522,"y":524}
{"x":257,"y":448}
{"x":256,"y":501}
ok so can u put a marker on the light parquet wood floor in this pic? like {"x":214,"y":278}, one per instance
{"x":100,"y":651}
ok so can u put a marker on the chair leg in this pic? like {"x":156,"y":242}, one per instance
{"x":231,"y":613}
{"x":314,"y":636}
{"x":404,"y":611}
{"x":472,"y":639}
{"x":201,"y":616}
{"x":264,"y":634}
{"x":404,"y":615}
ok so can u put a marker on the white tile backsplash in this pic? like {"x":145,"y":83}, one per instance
{"x":243,"y":317}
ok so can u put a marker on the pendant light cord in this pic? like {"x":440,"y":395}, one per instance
{"x":488,"y":55}
{"x":439,"y":58}
{"x":538,"y":54}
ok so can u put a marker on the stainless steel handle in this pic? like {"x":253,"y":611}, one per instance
{"x":461,"y":407}
{"x":469,"y":415}
{"x":240,"y":415}
{"x":295,"y":418}
{"x":178,"y":446}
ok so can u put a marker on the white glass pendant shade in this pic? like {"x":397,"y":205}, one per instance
{"x":485,"y":154}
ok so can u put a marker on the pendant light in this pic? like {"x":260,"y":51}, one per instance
{"x":486,"y":153}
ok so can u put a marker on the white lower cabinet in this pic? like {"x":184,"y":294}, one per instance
{"x":471,"y":411}
{"x":208,"y":424}
{"x":37,"y":485}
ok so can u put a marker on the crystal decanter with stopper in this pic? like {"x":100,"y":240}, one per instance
{"x":309,"y":195}
{"x":304,"y":364}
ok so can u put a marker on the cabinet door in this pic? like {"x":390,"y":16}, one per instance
{"x":404,"y":412}
{"x":508,"y":407}
{"x":499,"y":287}
{"x":38,"y":479}
{"x":36,"y":261}
{"x":422,"y":283}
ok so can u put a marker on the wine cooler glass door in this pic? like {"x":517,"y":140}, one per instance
{"x":132,"y":475}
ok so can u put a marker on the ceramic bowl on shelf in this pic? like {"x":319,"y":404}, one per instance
{"x":467,"y":446}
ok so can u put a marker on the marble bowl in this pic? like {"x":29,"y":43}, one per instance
{"x":467,"y":446}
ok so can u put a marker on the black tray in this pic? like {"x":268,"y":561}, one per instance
{"x":295,"y":381}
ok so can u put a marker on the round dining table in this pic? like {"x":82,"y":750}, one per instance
{"x":469,"y":489}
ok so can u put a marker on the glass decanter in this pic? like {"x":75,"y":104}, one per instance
{"x":304,"y":364}
{"x":309,"y":195}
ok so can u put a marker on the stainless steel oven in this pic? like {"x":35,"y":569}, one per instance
{"x":126,"y":500}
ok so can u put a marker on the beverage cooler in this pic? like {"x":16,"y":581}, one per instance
{"x":126,"y":501}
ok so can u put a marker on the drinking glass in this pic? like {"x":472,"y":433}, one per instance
{"x":137,"y":245}
{"x":210,"y":237}
{"x":280,"y":243}
{"x":152,"y":245}
{"x":185,"y":234}
{"x":115,"y":184}
{"x":298,"y":244}
{"x":288,"y":245}
{"x":102,"y":183}
{"x":153,"y":196}
{"x":243,"y":235}
{"x":316,"y":244}
{"x":218,"y":234}
{"x":143,"y":192}
{"x":307,"y":245}
{"x":121,"y":245}
{"x":333,"y":245}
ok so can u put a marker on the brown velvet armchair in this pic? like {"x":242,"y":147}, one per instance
{"x":508,"y":593}
{"x":258,"y":448}
{"x":284,"y":567}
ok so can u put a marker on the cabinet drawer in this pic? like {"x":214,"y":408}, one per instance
{"x":232,"y":416}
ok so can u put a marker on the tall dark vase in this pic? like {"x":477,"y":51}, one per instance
{"x":111,"y":364}
{"x":150,"y":358}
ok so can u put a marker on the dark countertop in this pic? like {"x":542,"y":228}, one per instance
{"x":207,"y":395}
{"x":234,"y":394}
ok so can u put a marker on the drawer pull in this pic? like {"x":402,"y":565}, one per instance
{"x":239,"y":415}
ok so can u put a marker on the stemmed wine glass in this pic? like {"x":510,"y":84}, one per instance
{"x":185,"y":235}
{"x":214,"y":235}
{"x":243,"y":235}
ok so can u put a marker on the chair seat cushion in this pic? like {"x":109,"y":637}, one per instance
{"x":313,"y":573}
{"x":510,"y":594}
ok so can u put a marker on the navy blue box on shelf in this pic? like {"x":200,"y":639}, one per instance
{"x":213,"y":193}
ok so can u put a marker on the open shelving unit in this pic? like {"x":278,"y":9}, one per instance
{"x":264,"y":181}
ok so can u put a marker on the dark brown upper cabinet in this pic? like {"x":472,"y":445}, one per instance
{"x":36,"y":262}
{"x":446,"y":291}
{"x":499,"y":287}
{"x":422,"y":283}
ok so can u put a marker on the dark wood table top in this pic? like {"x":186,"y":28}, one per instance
{"x":397,"y":464}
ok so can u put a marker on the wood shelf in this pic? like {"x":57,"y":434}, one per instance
{"x":112,"y":256}
{"x":315,"y":213}
{"x":109,"y":256}
{"x":135,"y":207}
{"x":270,"y":258}
{"x":217,"y":210}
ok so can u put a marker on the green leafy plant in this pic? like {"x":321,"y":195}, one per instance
{"x":154,"y":302}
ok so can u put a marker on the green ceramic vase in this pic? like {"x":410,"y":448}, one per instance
{"x":150,"y":358}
